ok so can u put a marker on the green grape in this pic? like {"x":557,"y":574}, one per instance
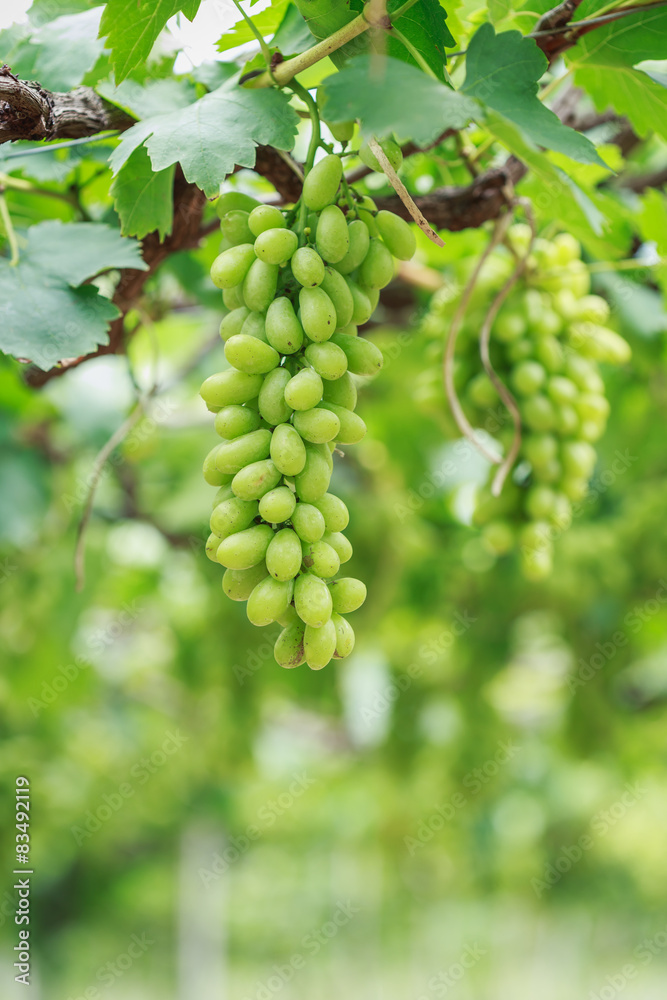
{"x":259,"y":285}
{"x":289,"y":618}
{"x":304,"y":390}
{"x":313,"y":480}
{"x":578,"y":458}
{"x":550,"y":352}
{"x":233,"y":297}
{"x":347,"y":594}
{"x":321,"y":184}
{"x":288,"y":452}
{"x":211,"y":547}
{"x":277,"y":505}
{"x":332,"y":239}
{"x":540,"y":449}
{"x":541,"y":503}
{"x":276,"y":246}
{"x":231,"y":266}
{"x":342,"y":391}
{"x":340,"y":544}
{"x":246,"y":548}
{"x":362,"y":310}
{"x":377,"y":268}
{"x":233,"y":455}
{"x":265,"y":217}
{"x":212,"y":474}
{"x":289,"y":649}
{"x":359,"y":241}
{"x":340,"y":295}
{"x":232,"y":323}
{"x":251,"y":355}
{"x":307,"y":267}
{"x":317,"y":425}
{"x":372,"y":294}
{"x":539,"y":413}
{"x":351,"y":428}
{"x":482,"y":392}
{"x":344,"y":636}
{"x":318,"y":316}
{"x":238,"y":584}
{"x":272,"y":405}
{"x":561,"y":390}
{"x":229,"y":387}
{"x":233,"y":515}
{"x":319,"y":644}
{"x":528,"y":378}
{"x":254,"y":325}
{"x":391,"y":150}
{"x":312,"y":600}
{"x":269,"y":600}
{"x":308,"y":522}
{"x":235,"y":227}
{"x":509,"y":326}
{"x":256,"y":479}
{"x":334,"y":511}
{"x":283,"y":330}
{"x":363,"y":358}
{"x":498,"y":538}
{"x":396,"y":235}
{"x":284,"y":555}
{"x":233,"y":200}
{"x":328,"y":360}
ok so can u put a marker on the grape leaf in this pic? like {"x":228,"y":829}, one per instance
{"x":395,"y":97}
{"x":267,"y":22}
{"x":213,"y":135}
{"x":76,"y":251}
{"x":142,"y":197}
{"x":59,"y":54}
{"x":604,"y":62}
{"x":502,"y":72}
{"x":132,"y":28}
{"x":155,"y":97}
{"x":424,"y":25}
{"x":293,"y":34}
{"x":44,"y":319}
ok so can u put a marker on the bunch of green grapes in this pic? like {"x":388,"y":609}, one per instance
{"x":297,"y":284}
{"x":546,"y":344}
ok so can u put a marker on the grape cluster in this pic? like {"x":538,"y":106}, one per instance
{"x":297,"y":284}
{"x":546,"y":342}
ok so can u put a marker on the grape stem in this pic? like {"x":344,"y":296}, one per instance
{"x":10,"y":232}
{"x":402,"y":192}
{"x":484,"y":337}
{"x":416,"y":55}
{"x":266,"y":52}
{"x":315,"y":140}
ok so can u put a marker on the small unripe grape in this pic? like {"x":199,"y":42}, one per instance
{"x":283,"y":330}
{"x":254,"y":325}
{"x":321,"y":558}
{"x":265,"y":217}
{"x":235,"y":227}
{"x":251,"y":355}
{"x":481,"y":391}
{"x":509,"y":326}
{"x":567,"y":248}
{"x":288,"y":452}
{"x":321,"y":184}
{"x":334,"y":511}
{"x":567,"y":421}
{"x":359,"y":241}
{"x":276,"y":246}
{"x":372,"y":294}
{"x":539,"y":413}
{"x":307,"y":267}
{"x":272,"y":405}
{"x":312,"y":600}
{"x":592,"y":406}
{"x":536,"y":564}
{"x":255,"y":480}
{"x":344,"y":636}
{"x":211,"y":547}
{"x":574,"y":487}
{"x":337,"y":289}
{"x":234,"y":455}
{"x":391,"y":150}
{"x":541,"y":503}
{"x":340,"y":544}
{"x":233,"y":321}
{"x":245,"y":549}
{"x":313,"y":481}
{"x":363,"y":358}
{"x":347,"y":594}
{"x":328,"y":360}
{"x":259,"y":285}
{"x":362,"y":310}
{"x":519,"y":350}
{"x":308,"y":522}
{"x":332,"y":239}
{"x":540,"y":449}
{"x":304,"y":390}
{"x":342,"y":391}
{"x":284,"y":555}
{"x":317,"y":425}
{"x":377,"y":269}
{"x":351,"y":428}
{"x":269,"y":600}
{"x":498,"y":538}
{"x":397,"y":235}
{"x":578,"y":458}
{"x":233,"y":297}
{"x":562,"y":390}
{"x":212,"y":474}
{"x":238,"y":584}
{"x":288,"y":650}
{"x":319,"y":645}
{"x":550,"y":352}
{"x":289,"y":617}
{"x":592,"y":309}
{"x":232,"y":200}
{"x":318,"y":316}
{"x":277,"y":505}
{"x":229,"y":387}
{"x":231,"y":266}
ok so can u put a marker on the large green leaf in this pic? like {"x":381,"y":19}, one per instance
{"x":391,"y":96}
{"x":145,"y":100}
{"x":424,"y":25}
{"x":58,"y":54}
{"x":213,"y":135}
{"x":502,"y":73}
{"x":143,"y":197}
{"x":132,"y":27}
{"x":604,"y":62}
{"x":77,"y":251}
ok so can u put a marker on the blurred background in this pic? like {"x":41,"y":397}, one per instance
{"x":474,"y":804}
